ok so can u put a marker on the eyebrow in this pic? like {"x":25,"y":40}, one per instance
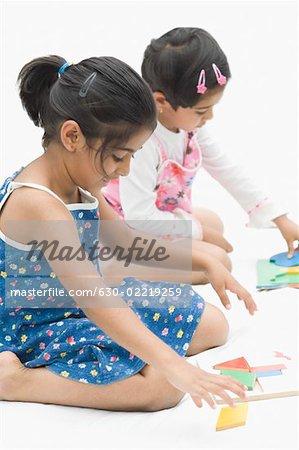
{"x":203,"y":107}
{"x":128,"y":149}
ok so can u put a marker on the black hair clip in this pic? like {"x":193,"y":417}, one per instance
{"x":86,"y":85}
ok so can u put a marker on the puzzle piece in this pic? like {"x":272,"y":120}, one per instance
{"x":281,"y":259}
{"x":232,"y":417}
{"x":271,"y":276}
{"x":238,"y":364}
{"x":247,"y":378}
{"x":267,"y":368}
{"x":270,"y":373}
{"x":281,"y":355}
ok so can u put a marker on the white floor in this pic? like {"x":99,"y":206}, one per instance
{"x":270,"y":423}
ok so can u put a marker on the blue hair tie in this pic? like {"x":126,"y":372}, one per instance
{"x":62,"y":69}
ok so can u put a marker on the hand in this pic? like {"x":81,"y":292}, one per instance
{"x":290,"y":232}
{"x":203,"y":385}
{"x":222,"y":280}
{"x":215,"y":237}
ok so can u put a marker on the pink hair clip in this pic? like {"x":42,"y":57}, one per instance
{"x":221,"y":79}
{"x":201,"y":85}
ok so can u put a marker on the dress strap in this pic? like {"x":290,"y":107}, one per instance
{"x":16,"y":184}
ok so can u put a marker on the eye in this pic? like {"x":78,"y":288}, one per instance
{"x":200,"y":113}
{"x":116,"y":158}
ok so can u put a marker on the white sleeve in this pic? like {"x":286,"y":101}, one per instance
{"x":259,"y":207}
{"x":138,"y":197}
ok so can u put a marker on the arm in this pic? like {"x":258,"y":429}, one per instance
{"x":118,"y":321}
{"x":138,"y":196}
{"x":233,"y":178}
{"x":261,"y":210}
{"x":179,"y":257}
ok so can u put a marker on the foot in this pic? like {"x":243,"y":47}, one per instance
{"x":12,"y":374}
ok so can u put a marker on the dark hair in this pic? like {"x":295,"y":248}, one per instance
{"x":105,"y":96}
{"x":172,"y":64}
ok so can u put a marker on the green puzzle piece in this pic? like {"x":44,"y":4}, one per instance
{"x":247,"y":378}
{"x":271,"y":275}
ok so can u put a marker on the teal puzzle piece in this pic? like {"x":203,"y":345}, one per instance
{"x":271,"y":276}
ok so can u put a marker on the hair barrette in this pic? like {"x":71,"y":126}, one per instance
{"x":86,"y":85}
{"x":62,"y":68}
{"x":201,"y":84}
{"x":221,"y":79}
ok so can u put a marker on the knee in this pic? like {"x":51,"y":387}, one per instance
{"x":223,"y":257}
{"x":161,"y":395}
{"x":222,"y":327}
{"x":163,"y":401}
{"x":210,"y":219}
{"x":218,"y":327}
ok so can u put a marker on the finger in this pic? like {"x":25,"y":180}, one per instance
{"x":209,"y":399}
{"x":290,"y":249}
{"x":250,"y":304}
{"x":244,"y":295}
{"x":197,"y":400}
{"x":229,"y":248}
{"x":220,"y":392}
{"x":214,"y":237}
{"x":233,"y":385}
{"x":224,"y":298}
{"x":227,"y":398}
{"x":225,"y":244}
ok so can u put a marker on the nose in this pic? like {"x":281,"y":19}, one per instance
{"x":123,"y":168}
{"x":209,"y":114}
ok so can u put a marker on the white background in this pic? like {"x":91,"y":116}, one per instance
{"x":256,"y":120}
{"x":255,"y":123}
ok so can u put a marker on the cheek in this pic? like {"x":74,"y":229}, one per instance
{"x":109,"y":166}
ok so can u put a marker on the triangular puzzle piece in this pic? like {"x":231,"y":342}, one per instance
{"x":281,"y":259}
{"x":246,"y":378}
{"x":238,"y":364}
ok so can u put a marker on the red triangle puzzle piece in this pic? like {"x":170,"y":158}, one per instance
{"x":237,"y":364}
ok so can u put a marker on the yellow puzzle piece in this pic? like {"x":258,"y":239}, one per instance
{"x":232,"y":417}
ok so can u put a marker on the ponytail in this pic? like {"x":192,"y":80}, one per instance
{"x":35,"y":82}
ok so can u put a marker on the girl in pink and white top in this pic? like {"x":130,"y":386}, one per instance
{"x":188,"y":72}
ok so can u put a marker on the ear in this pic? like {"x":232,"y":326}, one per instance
{"x":71,"y":136}
{"x":161,"y":102}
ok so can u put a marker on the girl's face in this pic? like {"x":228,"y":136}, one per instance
{"x":190,"y":118}
{"x":114,"y":163}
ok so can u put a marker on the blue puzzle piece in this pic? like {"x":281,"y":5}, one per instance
{"x":271,"y":373}
{"x":281,"y":259}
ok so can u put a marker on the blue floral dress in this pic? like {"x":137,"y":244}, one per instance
{"x":61,"y":337}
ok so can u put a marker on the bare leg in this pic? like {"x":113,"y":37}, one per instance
{"x":208,"y":218}
{"x":212,"y":331}
{"x":146,"y":391}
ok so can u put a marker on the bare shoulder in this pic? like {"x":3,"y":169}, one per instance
{"x":28,"y":204}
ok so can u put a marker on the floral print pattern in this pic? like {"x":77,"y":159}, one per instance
{"x":63,"y":339}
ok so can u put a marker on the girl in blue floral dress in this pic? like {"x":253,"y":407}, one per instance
{"x":59,"y":344}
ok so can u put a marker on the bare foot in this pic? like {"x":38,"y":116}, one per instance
{"x":12,"y":373}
